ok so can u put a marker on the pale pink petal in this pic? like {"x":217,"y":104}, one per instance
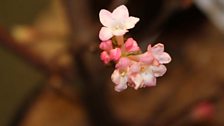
{"x":105,"y":34}
{"x":106,"y":45}
{"x":149,"y":48}
{"x":135,"y":68}
{"x":105,"y":57}
{"x":120,"y":87}
{"x":148,"y":78}
{"x":123,"y":63}
{"x":150,"y":81}
{"x":159,"y":54}
{"x":106,"y":18}
{"x":131,"y":45}
{"x":119,"y":80}
{"x":164,"y":58}
{"x":146,"y":58}
{"x":158,"y":70}
{"x":115,"y":54}
{"x":137,"y":80}
{"x":115,"y":76}
{"x":158,"y":49}
{"x":120,"y":13}
{"x":119,"y":32}
{"x":131,"y":21}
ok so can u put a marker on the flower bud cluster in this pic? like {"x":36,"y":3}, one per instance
{"x":133,"y":68}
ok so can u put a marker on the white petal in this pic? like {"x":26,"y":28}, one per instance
{"x":130,"y":22}
{"x":120,"y":81}
{"x":120,"y":13}
{"x":151,"y":82}
{"x":115,"y":76}
{"x":146,"y":58}
{"x":158,"y":49}
{"x":120,"y":87}
{"x":163,"y":58}
{"x":149,"y":79}
{"x":106,"y":18}
{"x":119,"y":32}
{"x":122,"y":84}
{"x":158,"y":70}
{"x":105,"y":34}
{"x":137,"y":80}
{"x":135,"y":67}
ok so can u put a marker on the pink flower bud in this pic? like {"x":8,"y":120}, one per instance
{"x":105,"y":57}
{"x":131,"y":45}
{"x":115,"y":54}
{"x":106,"y":45}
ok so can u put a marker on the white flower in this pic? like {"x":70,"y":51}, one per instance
{"x":155,"y":55}
{"x":159,"y":54}
{"x":116,"y":23}
{"x":144,"y":77}
{"x":120,"y":79}
{"x":136,"y":75}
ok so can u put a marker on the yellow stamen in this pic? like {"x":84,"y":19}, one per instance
{"x":123,"y":73}
{"x":142,"y":68}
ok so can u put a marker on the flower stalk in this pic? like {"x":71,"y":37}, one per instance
{"x":120,"y":40}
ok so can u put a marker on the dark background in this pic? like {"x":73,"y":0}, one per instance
{"x":57,"y":79}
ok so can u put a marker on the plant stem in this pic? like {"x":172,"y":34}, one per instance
{"x":120,"y":40}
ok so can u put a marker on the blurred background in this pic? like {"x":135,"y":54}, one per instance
{"x":51,"y":73}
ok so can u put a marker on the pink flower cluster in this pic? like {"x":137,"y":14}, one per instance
{"x":133,"y":68}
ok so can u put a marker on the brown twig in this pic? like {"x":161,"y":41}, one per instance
{"x":7,"y":41}
{"x":84,"y":35}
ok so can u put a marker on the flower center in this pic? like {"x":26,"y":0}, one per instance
{"x":123,"y":73}
{"x":118,"y":26}
{"x":142,"y":68}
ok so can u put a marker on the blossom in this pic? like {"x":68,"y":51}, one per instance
{"x":120,"y":79}
{"x":139,"y":72}
{"x":116,"y":23}
{"x":155,"y":55}
{"x":132,"y":67}
{"x":158,"y":71}
{"x":136,"y":75}
{"x":159,"y":54}
{"x":142,"y":76}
